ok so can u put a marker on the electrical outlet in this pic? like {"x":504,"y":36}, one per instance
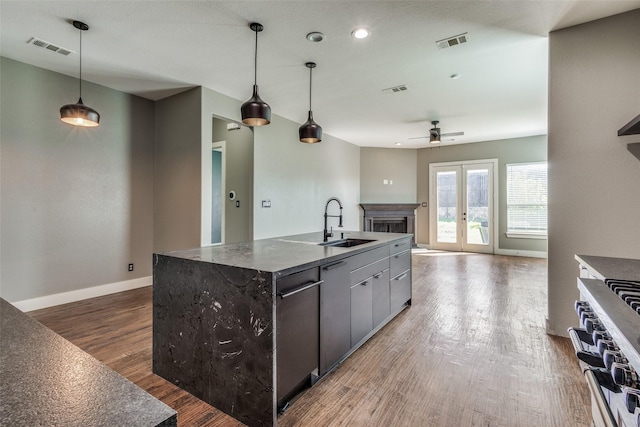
{"x":266,"y":203}
{"x":237,"y":203}
{"x":130,"y":267}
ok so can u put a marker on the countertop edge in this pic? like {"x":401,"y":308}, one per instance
{"x":293,"y":242}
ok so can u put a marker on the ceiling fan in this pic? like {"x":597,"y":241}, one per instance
{"x":435,"y":135}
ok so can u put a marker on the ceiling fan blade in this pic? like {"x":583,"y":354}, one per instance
{"x":452,"y":134}
{"x":419,"y":137}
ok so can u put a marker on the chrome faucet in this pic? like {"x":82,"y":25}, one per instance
{"x":328,"y":234}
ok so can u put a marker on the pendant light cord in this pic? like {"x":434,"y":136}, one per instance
{"x":80,"y":63}
{"x":310,"y":80}
{"x":255,"y":61}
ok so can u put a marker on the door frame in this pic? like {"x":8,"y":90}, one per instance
{"x":433,"y":202}
{"x":222,"y":147}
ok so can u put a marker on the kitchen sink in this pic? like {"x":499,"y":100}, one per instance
{"x":346,"y":243}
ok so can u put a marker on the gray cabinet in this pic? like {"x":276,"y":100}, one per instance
{"x":335,"y":314}
{"x":297,"y":331}
{"x":381,"y":297}
{"x":361,"y":310}
{"x":400,"y":273}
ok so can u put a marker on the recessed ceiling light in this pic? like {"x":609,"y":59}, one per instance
{"x":360,"y":33}
{"x":315,"y":36}
{"x":398,"y":143}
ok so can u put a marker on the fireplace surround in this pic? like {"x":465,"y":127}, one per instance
{"x":390,"y":218}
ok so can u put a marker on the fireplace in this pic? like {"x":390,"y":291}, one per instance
{"x":390,"y":218}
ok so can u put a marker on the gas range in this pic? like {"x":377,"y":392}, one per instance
{"x":608,"y":344}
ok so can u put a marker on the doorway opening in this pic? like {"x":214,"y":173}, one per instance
{"x":217,"y":192}
{"x":463,"y":205}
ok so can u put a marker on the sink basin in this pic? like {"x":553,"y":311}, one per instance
{"x":346,"y":243}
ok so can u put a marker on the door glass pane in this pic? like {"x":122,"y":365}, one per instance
{"x":447,"y":191}
{"x":477,"y":207}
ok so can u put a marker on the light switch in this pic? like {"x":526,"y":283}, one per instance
{"x":385,"y":181}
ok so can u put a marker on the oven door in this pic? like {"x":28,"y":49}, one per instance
{"x":600,"y":412}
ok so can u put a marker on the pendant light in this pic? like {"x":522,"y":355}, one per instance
{"x":310,"y":132}
{"x":79,"y":114}
{"x":256,"y":112}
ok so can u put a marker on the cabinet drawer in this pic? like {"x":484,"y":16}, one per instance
{"x":399,"y":263}
{"x":400,"y":290}
{"x":368,"y":257}
{"x":400,"y":246}
{"x":367,"y":271}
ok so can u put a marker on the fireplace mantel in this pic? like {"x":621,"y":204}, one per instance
{"x":390,"y":216}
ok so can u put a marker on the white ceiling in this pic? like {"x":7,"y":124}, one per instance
{"x":157,"y":48}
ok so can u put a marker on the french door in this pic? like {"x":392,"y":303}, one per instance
{"x":461,"y":200}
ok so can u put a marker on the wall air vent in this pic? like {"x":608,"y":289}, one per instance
{"x":395,"y":89}
{"x":49,"y":46}
{"x":452,"y":41}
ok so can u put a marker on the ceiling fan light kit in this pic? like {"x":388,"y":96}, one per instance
{"x":255,"y":112}
{"x":434,"y":133}
{"x":310,"y":132}
{"x":79,"y":114}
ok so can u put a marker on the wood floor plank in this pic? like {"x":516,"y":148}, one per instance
{"x":471,"y":351}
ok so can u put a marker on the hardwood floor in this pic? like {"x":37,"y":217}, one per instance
{"x":471,"y":351}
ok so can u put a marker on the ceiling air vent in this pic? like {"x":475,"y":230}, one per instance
{"x":395,"y":89}
{"x":49,"y":46}
{"x":452,"y":41}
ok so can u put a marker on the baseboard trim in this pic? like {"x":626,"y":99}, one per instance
{"x":510,"y":252}
{"x":81,"y":294}
{"x":517,"y":252}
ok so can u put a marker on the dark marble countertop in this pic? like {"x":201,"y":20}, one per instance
{"x":47,"y":381}
{"x":611,"y":268}
{"x":285,"y":254}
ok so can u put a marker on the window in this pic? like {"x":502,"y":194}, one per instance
{"x":527,"y":199}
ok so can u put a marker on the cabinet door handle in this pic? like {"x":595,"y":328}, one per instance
{"x":334,"y":265}
{"x":304,"y":287}
{"x":364,"y":283}
{"x":397,"y":245}
{"x":400,"y":277}
{"x":377,"y":276}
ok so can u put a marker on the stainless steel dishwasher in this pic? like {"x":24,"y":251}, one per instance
{"x":297,"y":333}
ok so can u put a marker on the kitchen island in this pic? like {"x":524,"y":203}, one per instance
{"x":247,"y":326}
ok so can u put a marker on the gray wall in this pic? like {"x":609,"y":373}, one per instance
{"x":177,"y":180}
{"x":517,"y":150}
{"x":392,"y":164}
{"x":239,"y":178}
{"x":75,"y":203}
{"x":299,"y":178}
{"x":594,"y":196}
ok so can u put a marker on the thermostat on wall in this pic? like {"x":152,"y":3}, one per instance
{"x":232,"y":195}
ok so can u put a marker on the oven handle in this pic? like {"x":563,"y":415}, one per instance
{"x":597,"y":399}
{"x":589,"y":358}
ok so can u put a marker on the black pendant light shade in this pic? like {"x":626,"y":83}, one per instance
{"x":79,"y":114}
{"x":255,"y":112}
{"x":310,"y":132}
